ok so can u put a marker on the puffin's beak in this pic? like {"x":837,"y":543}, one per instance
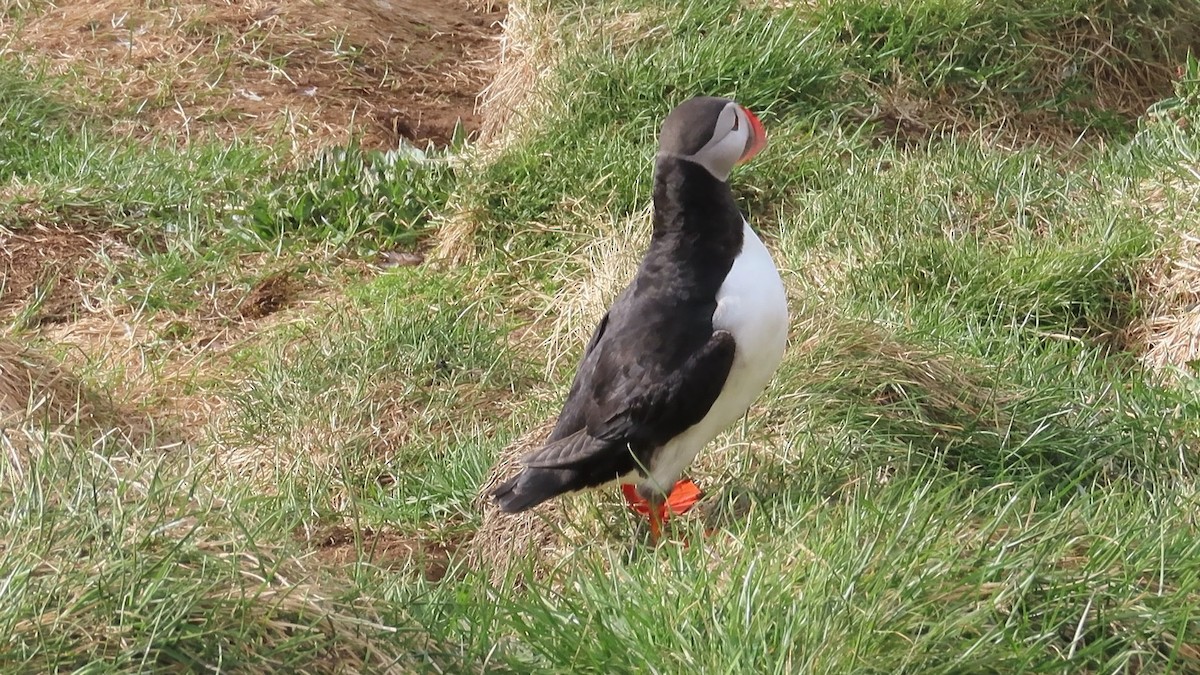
{"x":757,"y":140}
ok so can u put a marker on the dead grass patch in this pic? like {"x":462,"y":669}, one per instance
{"x":176,"y":367}
{"x":539,"y":537}
{"x":1171,"y":334}
{"x":593,"y":276}
{"x":35,"y":389}
{"x":141,"y":368}
{"x":528,"y":51}
{"x":45,"y":271}
{"x":315,"y":71}
{"x":531,"y":47}
{"x":1090,"y":55}
{"x":41,"y":399}
{"x":913,"y":121}
{"x":899,"y":382}
{"x":385,"y":548}
{"x":1168,"y":338}
{"x":249,"y":290}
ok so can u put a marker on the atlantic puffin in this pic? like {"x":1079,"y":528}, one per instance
{"x":686,"y":347}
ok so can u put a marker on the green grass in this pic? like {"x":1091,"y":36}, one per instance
{"x":961,"y":467}
{"x":194,"y":212}
{"x":921,"y":575}
{"x":352,"y":194}
{"x":365,"y":390}
{"x":815,"y":74}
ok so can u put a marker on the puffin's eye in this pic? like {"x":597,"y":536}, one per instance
{"x":735,"y":122}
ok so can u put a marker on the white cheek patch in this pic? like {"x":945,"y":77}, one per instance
{"x":720,"y":156}
{"x":730,"y":147}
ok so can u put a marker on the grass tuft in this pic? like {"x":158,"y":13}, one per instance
{"x":349,"y":194}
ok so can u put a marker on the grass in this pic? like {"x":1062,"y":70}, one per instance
{"x":966,"y":463}
{"x":940,"y":579}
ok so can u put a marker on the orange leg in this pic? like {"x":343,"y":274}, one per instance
{"x":656,"y":521}
{"x":682,"y":498}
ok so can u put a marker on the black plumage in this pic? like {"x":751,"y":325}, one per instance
{"x":654,"y":365}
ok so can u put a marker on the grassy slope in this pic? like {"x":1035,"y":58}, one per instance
{"x":960,"y":468}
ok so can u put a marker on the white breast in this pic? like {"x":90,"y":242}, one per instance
{"x":752,"y":305}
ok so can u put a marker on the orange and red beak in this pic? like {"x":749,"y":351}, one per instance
{"x":757,"y":140}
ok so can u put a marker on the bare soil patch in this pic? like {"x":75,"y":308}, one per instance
{"x":269,"y":295}
{"x":45,"y":270}
{"x":341,"y":545}
{"x":317,"y":71}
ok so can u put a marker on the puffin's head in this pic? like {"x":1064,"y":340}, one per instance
{"x":715,"y":133}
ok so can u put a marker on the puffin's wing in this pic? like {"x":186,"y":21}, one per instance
{"x":572,"y":416}
{"x":652,"y":408}
{"x":567,"y":452}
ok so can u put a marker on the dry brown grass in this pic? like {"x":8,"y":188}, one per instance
{"x":912,"y":120}
{"x":1168,"y":338}
{"x":1081,"y":49}
{"x":541,"y":537}
{"x":514,"y":103}
{"x":177,"y":367}
{"x":1171,"y":334}
{"x":314,"y":71}
{"x":33,"y":389}
{"x":608,"y":262}
{"x":529,"y":48}
{"x":41,"y":401}
{"x":527,"y":56}
{"x":269,"y":295}
{"x":1092,"y":47}
{"x":865,"y":361}
{"x":48,"y":273}
{"x":503,"y":541}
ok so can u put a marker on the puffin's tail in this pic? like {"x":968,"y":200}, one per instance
{"x":530,"y":488}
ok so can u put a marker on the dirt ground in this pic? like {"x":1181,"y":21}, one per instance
{"x":314,"y":71}
{"x":311,"y":73}
{"x":340,"y":545}
{"x":43,"y":271}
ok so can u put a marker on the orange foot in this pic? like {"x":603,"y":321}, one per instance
{"x":683,"y":497}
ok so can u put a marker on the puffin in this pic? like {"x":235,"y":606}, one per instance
{"x":685,"y":348}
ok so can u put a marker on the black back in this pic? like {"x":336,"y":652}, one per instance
{"x":654,"y":365}
{"x":665,"y":314}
